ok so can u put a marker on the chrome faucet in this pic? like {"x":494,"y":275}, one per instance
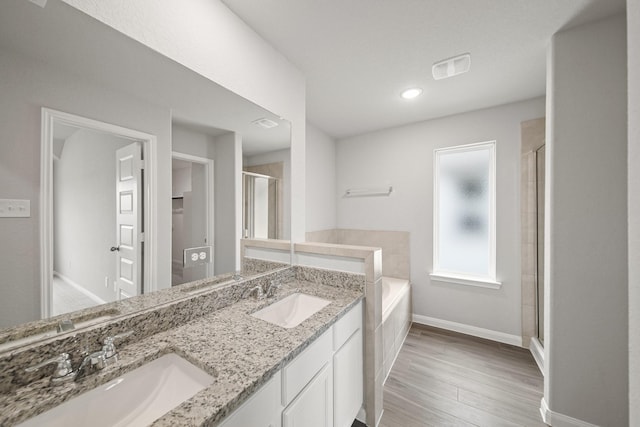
{"x":259,"y":292}
{"x":97,"y":360}
{"x":63,"y":372}
{"x":109,"y":349}
{"x":105,"y":356}
{"x":272,"y":288}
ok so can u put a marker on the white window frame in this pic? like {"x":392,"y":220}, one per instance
{"x":488,"y":281}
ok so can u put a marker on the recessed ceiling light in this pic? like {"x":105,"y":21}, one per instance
{"x":411,"y":93}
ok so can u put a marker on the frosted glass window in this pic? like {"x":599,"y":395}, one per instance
{"x":464,"y":211}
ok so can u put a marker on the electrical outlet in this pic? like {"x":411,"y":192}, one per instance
{"x":106,"y":282}
{"x":196,"y":256}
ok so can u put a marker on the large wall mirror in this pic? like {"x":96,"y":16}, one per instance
{"x":135,"y":167}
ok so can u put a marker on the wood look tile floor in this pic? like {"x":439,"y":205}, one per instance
{"x":443,"y":378}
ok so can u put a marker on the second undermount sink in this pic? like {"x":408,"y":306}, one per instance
{"x":136,"y":398}
{"x":289,"y":312}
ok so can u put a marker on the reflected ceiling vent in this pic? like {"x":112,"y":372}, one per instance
{"x":265,"y":123}
{"x":41,"y":3}
{"x":451,"y":67}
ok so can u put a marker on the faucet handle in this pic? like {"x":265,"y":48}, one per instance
{"x":109,"y":347}
{"x":273,"y":287}
{"x":63,"y":371}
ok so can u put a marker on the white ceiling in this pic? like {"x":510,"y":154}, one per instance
{"x":358,"y":55}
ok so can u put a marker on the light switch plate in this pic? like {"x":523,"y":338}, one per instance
{"x":13,"y":208}
{"x":197,"y":256}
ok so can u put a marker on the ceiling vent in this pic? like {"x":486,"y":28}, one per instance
{"x":451,"y":67}
{"x":41,"y":3}
{"x":265,"y":123}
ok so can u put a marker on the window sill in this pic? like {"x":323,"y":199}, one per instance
{"x":468,"y":281}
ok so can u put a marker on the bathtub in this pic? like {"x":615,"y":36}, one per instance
{"x":396,"y":318}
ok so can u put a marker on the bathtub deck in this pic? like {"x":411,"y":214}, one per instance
{"x":446,"y":378}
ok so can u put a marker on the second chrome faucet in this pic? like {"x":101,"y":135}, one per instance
{"x":260,"y":293}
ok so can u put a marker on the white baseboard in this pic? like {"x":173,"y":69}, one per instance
{"x":556,"y":419}
{"x":489,"y":334}
{"x":80,"y":289}
{"x":537,"y":351}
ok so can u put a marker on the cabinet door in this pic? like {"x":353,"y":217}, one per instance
{"x":348,"y":381}
{"x":314,"y":405}
{"x":263,"y":409}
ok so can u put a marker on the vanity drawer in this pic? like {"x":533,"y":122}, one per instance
{"x":297,"y":374}
{"x":345,"y":327}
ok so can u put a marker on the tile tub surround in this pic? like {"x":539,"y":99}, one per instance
{"x":240,"y":351}
{"x":395,"y":246}
{"x":144,"y":315}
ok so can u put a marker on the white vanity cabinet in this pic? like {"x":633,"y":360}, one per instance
{"x":347,"y":368}
{"x":321,"y":387}
{"x":313,"y":407}
{"x":263,"y":409}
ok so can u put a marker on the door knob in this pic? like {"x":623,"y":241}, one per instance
{"x":115,"y":248}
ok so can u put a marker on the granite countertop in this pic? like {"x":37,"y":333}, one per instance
{"x":240,"y":351}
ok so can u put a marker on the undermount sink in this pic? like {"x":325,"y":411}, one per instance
{"x":289,"y":312}
{"x":137,"y":398}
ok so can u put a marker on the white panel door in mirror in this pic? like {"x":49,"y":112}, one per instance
{"x":126,"y":236}
{"x":126,"y":168}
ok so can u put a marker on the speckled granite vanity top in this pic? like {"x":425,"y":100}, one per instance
{"x":241,"y":351}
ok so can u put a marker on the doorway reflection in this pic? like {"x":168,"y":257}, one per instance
{"x":192,"y":225}
{"x":262,"y":217}
{"x":85,"y":217}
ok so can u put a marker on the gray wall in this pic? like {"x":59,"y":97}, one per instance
{"x":228,"y":207}
{"x":84,"y":213}
{"x":26,"y":86}
{"x":633,"y":52}
{"x":403,"y":157}
{"x":321,"y":180}
{"x":586,"y":253}
{"x":188,"y":141}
